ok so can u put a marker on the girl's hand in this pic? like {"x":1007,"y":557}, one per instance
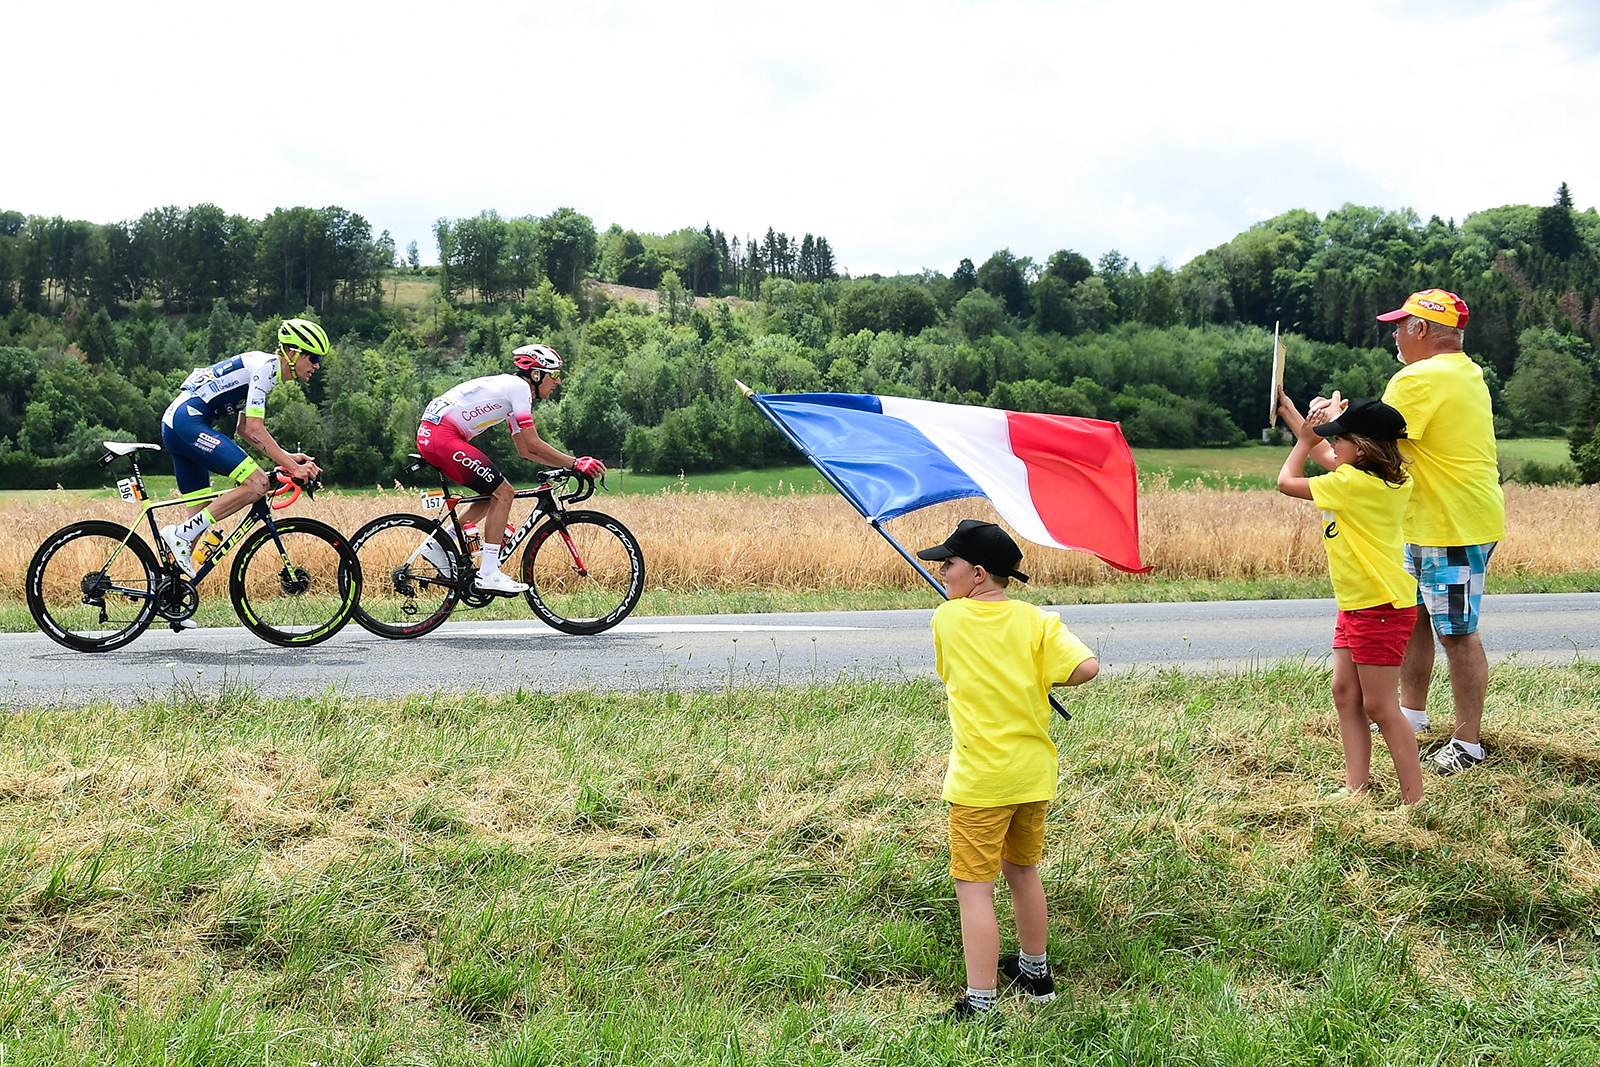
{"x":1289,"y":413}
{"x":1304,"y":429}
{"x":1325,"y":409}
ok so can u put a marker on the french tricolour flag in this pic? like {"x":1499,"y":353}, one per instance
{"x":1059,"y":481}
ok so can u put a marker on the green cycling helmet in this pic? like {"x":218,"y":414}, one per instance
{"x":304,"y":335}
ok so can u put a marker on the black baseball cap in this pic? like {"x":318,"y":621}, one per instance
{"x":982,"y":544}
{"x":1369,"y":418}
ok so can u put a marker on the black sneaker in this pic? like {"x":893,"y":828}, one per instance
{"x":964,"y":1011}
{"x":1039,"y":990}
{"x":1453,"y":759}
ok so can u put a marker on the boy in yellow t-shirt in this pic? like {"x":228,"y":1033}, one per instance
{"x":1363,"y":500}
{"x":998,"y":659}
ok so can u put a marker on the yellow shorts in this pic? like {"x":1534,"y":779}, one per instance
{"x":981,"y":837}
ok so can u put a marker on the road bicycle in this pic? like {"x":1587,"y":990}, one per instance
{"x":583,"y":569}
{"x":94,"y":586}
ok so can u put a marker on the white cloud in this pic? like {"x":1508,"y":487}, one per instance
{"x":911,"y":134}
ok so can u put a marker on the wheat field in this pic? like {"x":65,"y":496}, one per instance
{"x":813,"y":541}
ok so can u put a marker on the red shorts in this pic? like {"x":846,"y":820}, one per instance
{"x":1375,"y":636}
{"x":462,"y":462}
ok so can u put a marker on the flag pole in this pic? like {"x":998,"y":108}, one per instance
{"x":916,"y":564}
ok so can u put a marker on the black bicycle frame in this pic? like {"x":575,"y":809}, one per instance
{"x":260,"y":511}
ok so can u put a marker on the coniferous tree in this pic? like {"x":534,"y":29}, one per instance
{"x":1557,"y":232}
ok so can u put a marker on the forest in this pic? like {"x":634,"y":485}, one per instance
{"x":99,"y":322}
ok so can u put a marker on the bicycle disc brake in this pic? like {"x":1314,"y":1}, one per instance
{"x":176,"y":599}
{"x":294,"y":581}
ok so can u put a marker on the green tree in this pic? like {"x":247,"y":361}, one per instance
{"x":964,"y":280}
{"x":1053,"y":310}
{"x":1004,"y":276}
{"x":1548,"y":392}
{"x":1583,"y":444}
{"x":1557,"y":231}
{"x":524,"y":255}
{"x":1069,"y":266}
{"x":1092,"y":306}
{"x":569,"y":240}
{"x":672,"y":300}
{"x":978,"y":314}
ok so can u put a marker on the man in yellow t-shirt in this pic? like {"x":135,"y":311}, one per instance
{"x":998,"y":659}
{"x":1457,"y":512}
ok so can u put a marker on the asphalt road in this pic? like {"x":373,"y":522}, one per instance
{"x":712,"y":651}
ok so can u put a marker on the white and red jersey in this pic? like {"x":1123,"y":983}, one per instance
{"x":474,"y":406}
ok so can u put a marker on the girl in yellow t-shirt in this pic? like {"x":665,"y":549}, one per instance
{"x":1363,"y":499}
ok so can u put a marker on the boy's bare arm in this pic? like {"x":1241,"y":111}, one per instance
{"x":1083,"y":672}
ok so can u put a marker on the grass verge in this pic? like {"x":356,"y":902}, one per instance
{"x":759,"y":876}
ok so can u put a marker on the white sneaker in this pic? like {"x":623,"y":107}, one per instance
{"x":1417,"y":726}
{"x":439,"y":557}
{"x":180,"y":549}
{"x":497,"y":581}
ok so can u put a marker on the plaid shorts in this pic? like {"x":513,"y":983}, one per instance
{"x":1450,"y":583}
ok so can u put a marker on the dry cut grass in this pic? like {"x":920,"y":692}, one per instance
{"x":704,"y":540}
{"x":455,"y":871}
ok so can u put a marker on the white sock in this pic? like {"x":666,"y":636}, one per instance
{"x":1417,"y":717}
{"x":491,"y":559}
{"x":191,"y":528}
{"x":1033,"y":966}
{"x":1472,"y":749}
{"x":982,"y":999}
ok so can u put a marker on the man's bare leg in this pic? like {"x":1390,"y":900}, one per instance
{"x":1469,"y":682}
{"x":1416,"y":669}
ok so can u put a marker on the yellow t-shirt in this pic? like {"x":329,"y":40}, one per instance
{"x":1450,"y":427}
{"x":998,"y":660}
{"x":1361,"y":530}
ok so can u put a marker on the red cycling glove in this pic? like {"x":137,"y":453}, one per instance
{"x":589,"y":466}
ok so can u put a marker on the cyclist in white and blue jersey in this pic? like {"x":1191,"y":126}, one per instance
{"x":240,"y":384}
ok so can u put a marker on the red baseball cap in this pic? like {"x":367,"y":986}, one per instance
{"x":1435,"y":305}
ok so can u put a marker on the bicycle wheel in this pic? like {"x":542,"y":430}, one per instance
{"x":586,"y":581}
{"x":302,"y":595}
{"x":90,"y":586}
{"x":408,"y":567}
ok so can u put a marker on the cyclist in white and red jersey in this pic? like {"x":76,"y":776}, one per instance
{"x":450,"y":422}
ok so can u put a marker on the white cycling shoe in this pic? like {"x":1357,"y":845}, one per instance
{"x":181,"y":550}
{"x":497,"y":582}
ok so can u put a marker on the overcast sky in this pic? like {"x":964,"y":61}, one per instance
{"x":910,"y":134}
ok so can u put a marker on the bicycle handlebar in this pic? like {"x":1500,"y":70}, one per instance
{"x":282,"y":483}
{"x":585,"y":487}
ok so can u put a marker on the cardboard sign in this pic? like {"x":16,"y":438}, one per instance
{"x":1278,"y":353}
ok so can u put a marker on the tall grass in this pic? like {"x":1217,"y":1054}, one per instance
{"x":701,"y":541}
{"x":759,"y":876}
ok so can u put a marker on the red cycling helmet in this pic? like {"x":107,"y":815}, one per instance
{"x":537,"y":357}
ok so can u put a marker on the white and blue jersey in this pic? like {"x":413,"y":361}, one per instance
{"x":238,"y":384}
{"x":208,"y":394}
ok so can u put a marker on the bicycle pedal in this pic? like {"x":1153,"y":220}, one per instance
{"x":182,"y":625}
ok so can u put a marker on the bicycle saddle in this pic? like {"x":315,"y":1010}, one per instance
{"x":123,"y":448}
